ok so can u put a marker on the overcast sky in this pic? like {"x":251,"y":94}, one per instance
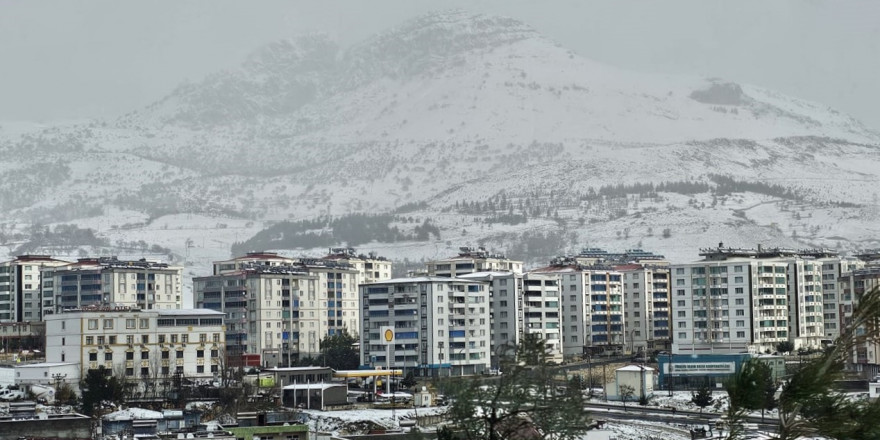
{"x":85,"y":59}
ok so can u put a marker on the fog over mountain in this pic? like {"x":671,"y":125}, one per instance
{"x":450,"y":128}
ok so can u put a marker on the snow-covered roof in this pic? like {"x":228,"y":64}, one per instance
{"x":47,"y":365}
{"x":133,"y":414}
{"x":294,"y":369}
{"x":486,"y":274}
{"x":313,"y":386}
{"x":188,"y":312}
{"x":635,"y":368}
{"x":419,"y":280}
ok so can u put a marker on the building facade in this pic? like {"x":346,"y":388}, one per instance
{"x":266,"y":308}
{"x":21,"y":296}
{"x":139,"y":345}
{"x":592,"y":307}
{"x":470,"y":260}
{"x":648,"y":309}
{"x":280,"y":308}
{"x":441,"y":325}
{"x":108,"y":281}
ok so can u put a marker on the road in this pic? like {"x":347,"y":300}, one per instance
{"x":684,"y":419}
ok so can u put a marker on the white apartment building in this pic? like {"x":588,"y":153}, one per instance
{"x":648,"y":310}
{"x":279,"y":308}
{"x":266,"y":308}
{"x":728,"y":306}
{"x":441,"y":325}
{"x":592,"y":307}
{"x":522,"y":304}
{"x":752,"y":299}
{"x":134,"y":344}
{"x":852,"y":285}
{"x":834,"y":302}
{"x":109,"y":281}
{"x":371,"y":267}
{"x":470,"y":260}
{"x":21,"y":296}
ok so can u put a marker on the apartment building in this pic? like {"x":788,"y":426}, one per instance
{"x":110,"y":281}
{"x":647,"y":310}
{"x":135,"y":344}
{"x":470,"y":260}
{"x":593,"y":307}
{"x":280,"y":308}
{"x":21,"y":296}
{"x":371,"y":267}
{"x":266,"y":307}
{"x":833,"y":299}
{"x":441,"y":325}
{"x":852,"y":285}
{"x":522,"y":304}
{"x":751,"y":299}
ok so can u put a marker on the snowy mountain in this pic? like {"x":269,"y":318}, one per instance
{"x":476,"y":123}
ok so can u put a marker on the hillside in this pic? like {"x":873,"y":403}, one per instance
{"x":440,"y":119}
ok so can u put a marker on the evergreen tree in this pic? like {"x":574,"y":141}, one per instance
{"x":522,"y":400}
{"x":702,"y":397}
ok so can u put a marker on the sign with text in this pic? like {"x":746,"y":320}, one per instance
{"x":700,"y":368}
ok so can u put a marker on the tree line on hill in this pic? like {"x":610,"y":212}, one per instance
{"x":351,"y":230}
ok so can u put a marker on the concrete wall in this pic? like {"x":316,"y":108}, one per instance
{"x":75,"y":427}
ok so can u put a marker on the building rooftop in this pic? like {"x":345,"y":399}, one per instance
{"x":422,"y":280}
{"x":187,"y":312}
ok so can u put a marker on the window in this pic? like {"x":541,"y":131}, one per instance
{"x":216,"y":337}
{"x":739,"y":301}
{"x":682,"y":314}
{"x":129,"y":355}
{"x":200,"y":353}
{"x":740,"y":334}
{"x":179,"y":354}
{"x":90,"y":340}
{"x":93,"y":324}
{"x":145,"y":323}
{"x":165,"y":354}
{"x":161,"y":339}
{"x":129,"y":339}
{"x":203,"y":337}
{"x":108,"y":324}
{"x":130,"y":323}
{"x":679,"y":271}
{"x":93,"y":356}
{"x":680,"y":303}
{"x":108,"y":356}
{"x":129,"y":371}
{"x":737,"y":279}
{"x":145,"y":339}
{"x":737,"y":268}
{"x":145,"y":355}
{"x":200,"y":369}
{"x":682,"y":324}
{"x":682,"y":335}
{"x":740,"y":313}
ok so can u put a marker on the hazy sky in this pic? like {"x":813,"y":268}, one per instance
{"x":82,"y":59}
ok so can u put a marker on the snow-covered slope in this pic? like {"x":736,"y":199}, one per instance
{"x":446,"y":108}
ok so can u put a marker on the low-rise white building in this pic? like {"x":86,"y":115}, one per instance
{"x":639,"y":378}
{"x":49,"y":374}
{"x":138,"y":344}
